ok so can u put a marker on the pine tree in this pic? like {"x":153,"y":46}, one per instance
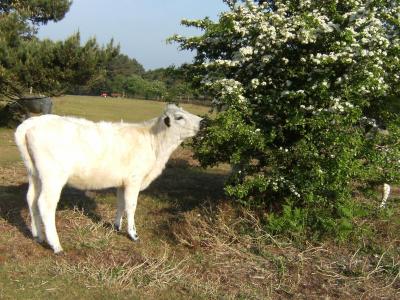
{"x":46,"y":67}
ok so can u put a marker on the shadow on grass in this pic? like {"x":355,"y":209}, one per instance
{"x":14,"y":209}
{"x":185,"y":187}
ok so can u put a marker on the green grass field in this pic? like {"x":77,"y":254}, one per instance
{"x":114,"y":109}
{"x":195,"y":244}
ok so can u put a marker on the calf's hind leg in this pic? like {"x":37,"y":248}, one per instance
{"x":47,"y":202}
{"x":120,"y":209}
{"x":32,"y":199}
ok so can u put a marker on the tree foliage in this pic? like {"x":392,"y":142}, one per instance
{"x":117,"y":70}
{"x":136,"y":85}
{"x":36,"y":11}
{"x":123,"y":65}
{"x":126,"y":76}
{"x":45,"y":66}
{"x":176,"y":82}
{"x":299,"y":84}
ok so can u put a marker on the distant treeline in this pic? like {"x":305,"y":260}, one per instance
{"x":125,"y":77}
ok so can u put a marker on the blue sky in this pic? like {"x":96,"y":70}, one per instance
{"x":139,"y":26}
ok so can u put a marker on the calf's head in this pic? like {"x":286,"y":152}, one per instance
{"x":181,"y":122}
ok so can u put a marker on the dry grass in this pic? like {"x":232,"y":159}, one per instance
{"x":105,"y":263}
{"x":151,"y":272}
{"x":258,"y":265}
{"x":9,"y":153}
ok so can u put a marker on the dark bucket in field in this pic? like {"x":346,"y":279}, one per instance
{"x":37,"y":105}
{"x":15,"y":112}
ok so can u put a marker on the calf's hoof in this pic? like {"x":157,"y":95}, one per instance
{"x":58,"y":251}
{"x":38,"y":239}
{"x":116,"y":227}
{"x":134,"y":237}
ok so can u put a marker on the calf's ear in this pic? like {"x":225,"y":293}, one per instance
{"x":167,"y":121}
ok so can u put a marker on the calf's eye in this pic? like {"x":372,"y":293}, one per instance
{"x":179,"y":118}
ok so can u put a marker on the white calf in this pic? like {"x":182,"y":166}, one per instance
{"x":86,"y":155}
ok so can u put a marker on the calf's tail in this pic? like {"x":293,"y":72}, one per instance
{"x":23,"y":146}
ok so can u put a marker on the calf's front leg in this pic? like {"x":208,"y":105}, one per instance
{"x":131,"y":193}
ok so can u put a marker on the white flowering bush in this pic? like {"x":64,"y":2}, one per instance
{"x":293,"y":81}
